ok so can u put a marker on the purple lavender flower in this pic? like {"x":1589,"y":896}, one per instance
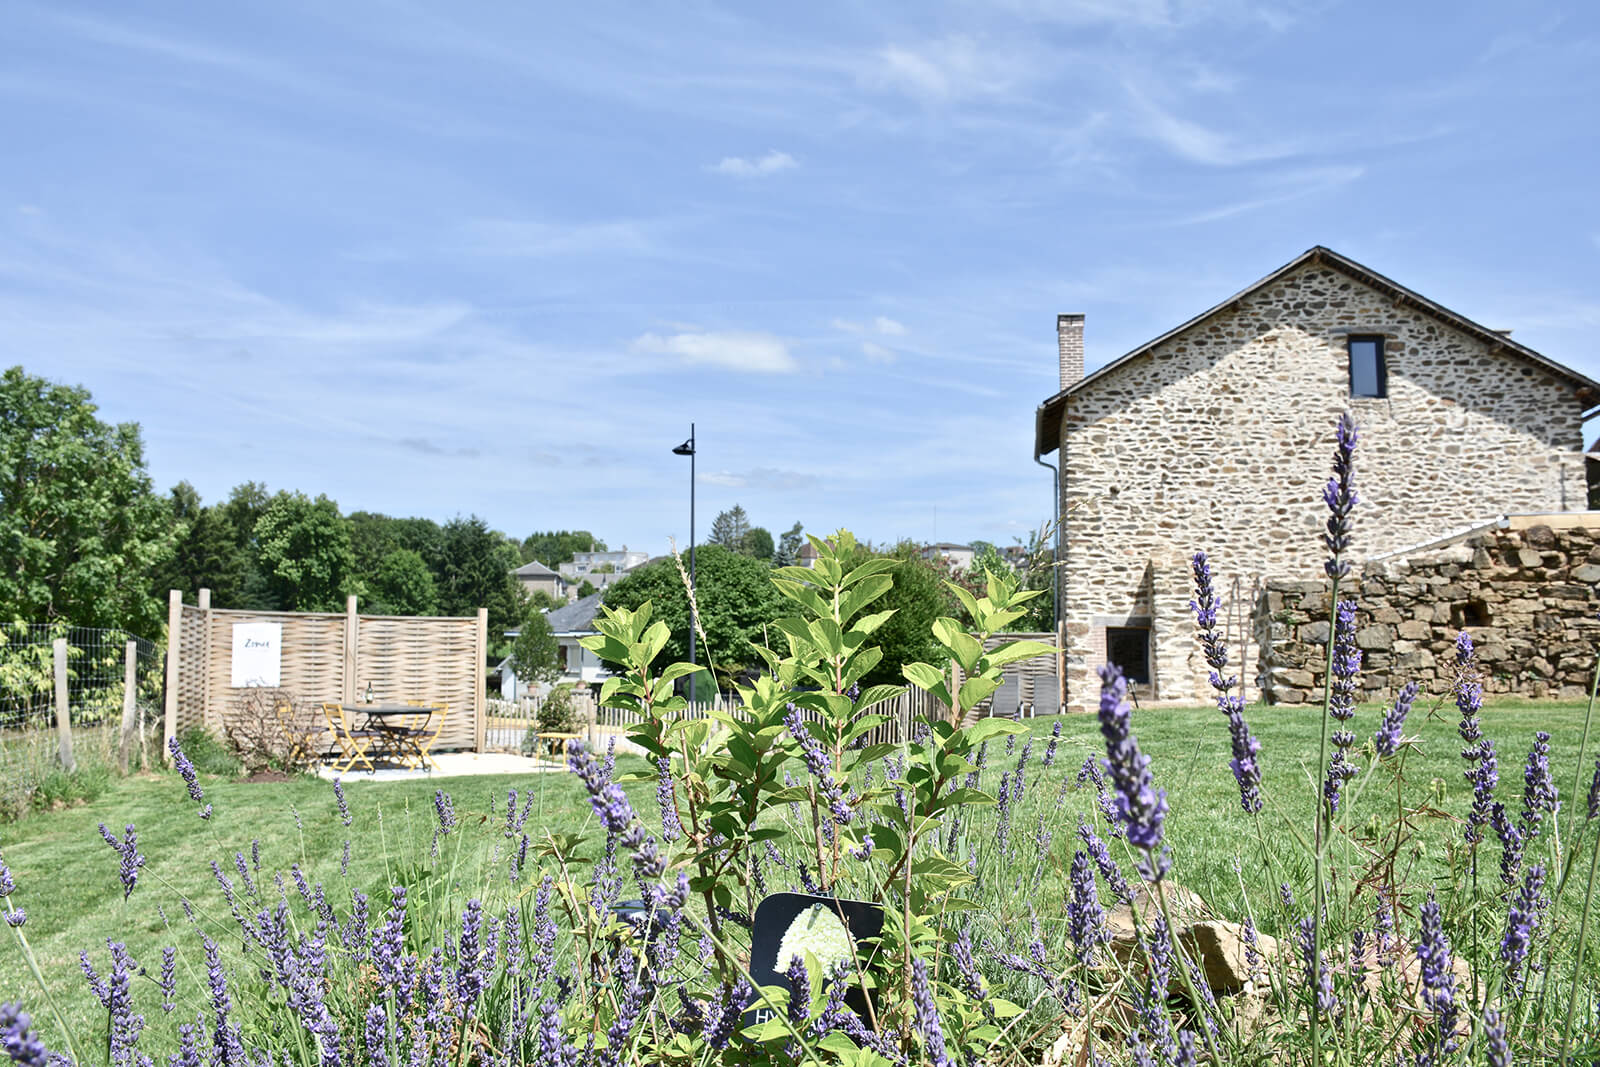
{"x":469,"y":957}
{"x":1140,"y":806}
{"x":1522,"y":922}
{"x":1153,"y":1018}
{"x":445,"y":810}
{"x":1050,"y":749}
{"x":15,"y":916}
{"x":1341,"y":499}
{"x":1469,"y":696}
{"x":1484,"y":775}
{"x":1594,"y":793}
{"x":1317,"y":978}
{"x":799,"y":980}
{"x":928,"y":1016}
{"x":1246,"y":770}
{"x":377,"y":1031}
{"x":1498,"y":1053}
{"x":1538,"y":786}
{"x":185,"y":768}
{"x":1387,"y":739}
{"x":610,"y":803}
{"x":169,"y":979}
{"x":820,"y":765}
{"x":1085,"y":918}
{"x":1105,"y":862}
{"x":132,"y":858}
{"x":1438,"y":980}
{"x":344,"y":807}
{"x":17,"y":1039}
{"x":1342,"y":701}
{"x":1512,"y":843}
{"x":971,"y":978}
{"x":671,"y":827}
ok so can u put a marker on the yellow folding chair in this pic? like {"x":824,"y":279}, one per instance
{"x":297,"y":733}
{"x":353,"y":744}
{"x":431,"y":733}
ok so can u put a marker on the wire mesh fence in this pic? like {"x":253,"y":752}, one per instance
{"x":96,"y":662}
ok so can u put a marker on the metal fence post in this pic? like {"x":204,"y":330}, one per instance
{"x":63,"y":719}
{"x":130,"y":704}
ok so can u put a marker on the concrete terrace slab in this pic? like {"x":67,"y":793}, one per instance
{"x":453,"y":765}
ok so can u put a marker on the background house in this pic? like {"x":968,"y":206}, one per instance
{"x":601,"y":569}
{"x":535,"y":577}
{"x":1217,"y":435}
{"x":960,"y":556}
{"x":578,"y":665}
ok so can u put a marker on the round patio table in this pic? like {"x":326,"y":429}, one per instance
{"x":401,"y":741}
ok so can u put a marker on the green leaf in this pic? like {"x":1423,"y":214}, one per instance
{"x":977,"y":689}
{"x":984,"y":729}
{"x":963,"y":646}
{"x":926,"y":677}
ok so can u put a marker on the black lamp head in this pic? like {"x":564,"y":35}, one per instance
{"x":685,"y":449}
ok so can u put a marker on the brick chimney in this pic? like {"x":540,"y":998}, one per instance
{"x":1069,"y":336}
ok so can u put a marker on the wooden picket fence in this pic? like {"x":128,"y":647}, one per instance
{"x":1033,"y":681}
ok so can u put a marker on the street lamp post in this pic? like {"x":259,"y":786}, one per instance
{"x":687,"y":449}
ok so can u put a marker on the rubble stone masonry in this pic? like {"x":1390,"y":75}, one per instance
{"x":1527,"y":597}
{"x":1221,"y":438}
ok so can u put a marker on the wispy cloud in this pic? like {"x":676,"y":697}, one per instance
{"x":769,"y":164}
{"x":756,"y":352}
{"x":880,"y":324}
{"x":1282,"y":189}
{"x":947,"y":69}
{"x":428,"y":448}
{"x":1194,"y":141}
{"x":877,"y":353}
{"x":763,"y":478}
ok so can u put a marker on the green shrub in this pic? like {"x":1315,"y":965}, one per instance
{"x":209,"y":753}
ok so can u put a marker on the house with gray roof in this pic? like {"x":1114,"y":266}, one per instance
{"x":1218,"y":435}
{"x":535,"y":577}
{"x":568,"y":623}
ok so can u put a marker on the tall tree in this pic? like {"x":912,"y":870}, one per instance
{"x":917,"y":597}
{"x":207,"y":554}
{"x":80,"y":528}
{"x":730,"y":528}
{"x":245,"y":505}
{"x":787,"y":554}
{"x":534,"y":653}
{"x":736,"y":598}
{"x":758,"y":544}
{"x":475,"y":564}
{"x":304,"y":552}
{"x":402,"y":584}
{"x":555,"y":547}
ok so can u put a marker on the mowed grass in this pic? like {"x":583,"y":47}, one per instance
{"x":67,"y":877}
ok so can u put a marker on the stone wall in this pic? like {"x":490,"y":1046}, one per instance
{"x":1526,"y":596}
{"x":1221,"y":437}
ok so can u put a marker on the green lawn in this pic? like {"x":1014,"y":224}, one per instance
{"x":67,"y":877}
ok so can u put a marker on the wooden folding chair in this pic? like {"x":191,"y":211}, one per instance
{"x":431,"y":735}
{"x":299,"y":736}
{"x":353,"y":744}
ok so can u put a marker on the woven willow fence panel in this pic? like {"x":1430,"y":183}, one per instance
{"x":432,"y":660}
{"x":331,"y":658}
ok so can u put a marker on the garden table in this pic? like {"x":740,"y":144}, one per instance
{"x":401,"y":741}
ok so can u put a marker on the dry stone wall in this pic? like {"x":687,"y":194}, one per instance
{"x":1527,"y":597}
{"x":1220,"y":438}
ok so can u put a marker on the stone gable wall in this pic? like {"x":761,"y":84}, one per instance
{"x":1221,"y":439}
{"x":1527,"y":597}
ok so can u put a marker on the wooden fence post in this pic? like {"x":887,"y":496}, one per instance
{"x":169,"y":726}
{"x":202,"y":599}
{"x":479,"y":694}
{"x":63,"y":719}
{"x":351,"y":623}
{"x":130,"y":704}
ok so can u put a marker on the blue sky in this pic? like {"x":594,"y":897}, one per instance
{"x":441,"y":259}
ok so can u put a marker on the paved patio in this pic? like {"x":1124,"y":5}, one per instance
{"x":453,"y":765}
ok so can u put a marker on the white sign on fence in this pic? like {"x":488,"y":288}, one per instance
{"x":257,"y":654}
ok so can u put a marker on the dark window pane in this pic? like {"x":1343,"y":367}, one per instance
{"x":1129,"y":648}
{"x":1366,"y":367}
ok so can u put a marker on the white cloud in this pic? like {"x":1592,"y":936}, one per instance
{"x":1195,"y":142}
{"x":876,"y":353}
{"x":882,"y":325}
{"x":946,"y":69}
{"x":761,"y":353}
{"x":762,"y":478}
{"x":771,"y":163}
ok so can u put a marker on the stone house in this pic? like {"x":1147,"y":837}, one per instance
{"x":535,"y":577}
{"x":1217,"y":435}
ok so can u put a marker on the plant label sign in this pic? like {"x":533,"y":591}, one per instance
{"x":257,"y":654}
{"x":829,"y":930}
